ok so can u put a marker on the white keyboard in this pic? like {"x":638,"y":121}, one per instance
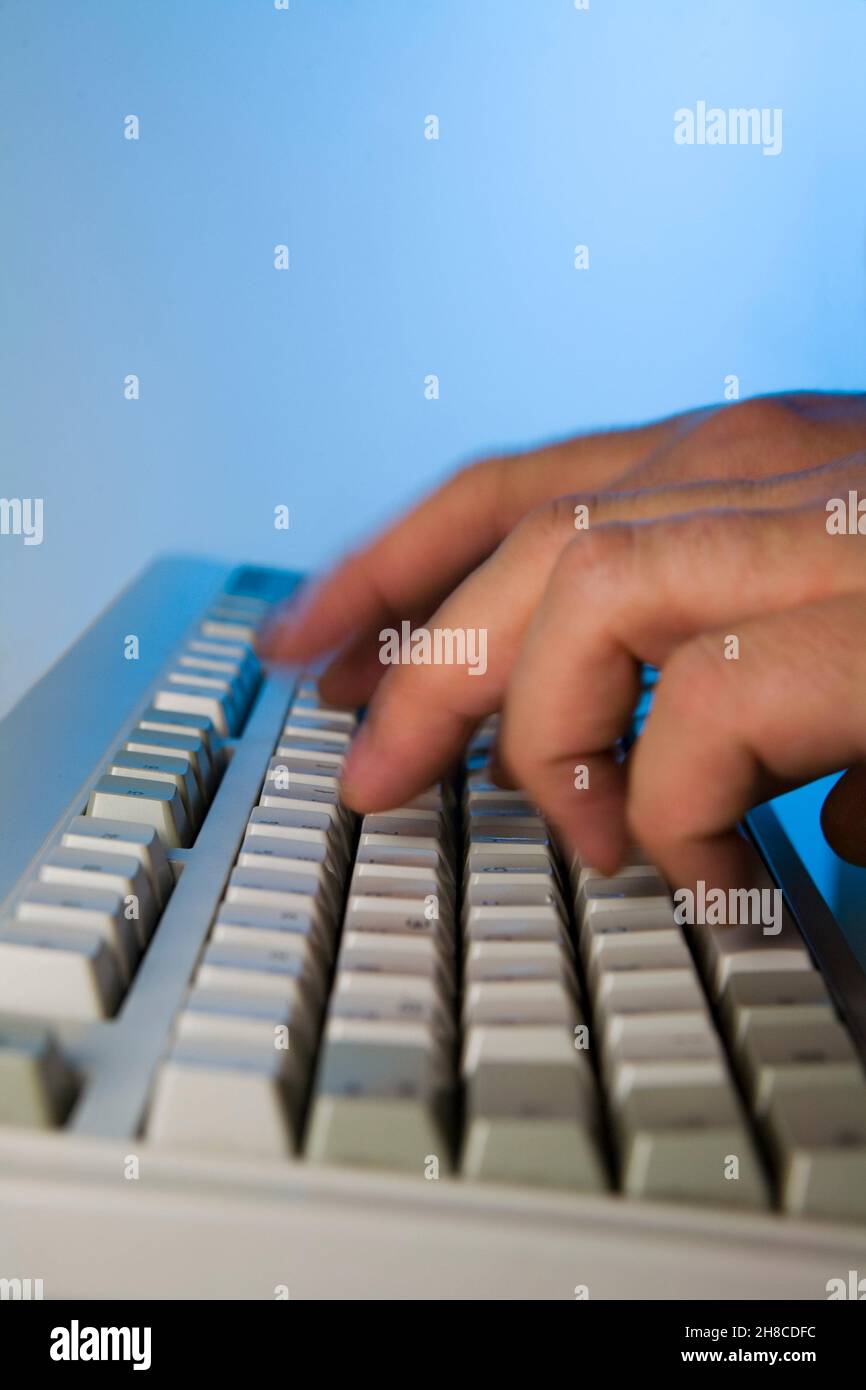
{"x":250,"y":1041}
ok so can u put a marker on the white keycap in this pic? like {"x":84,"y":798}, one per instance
{"x":83,"y":909}
{"x":302,"y":918}
{"x":422,"y":852}
{"x":405,"y":821}
{"x":612,"y":905}
{"x":634,"y":951}
{"x":647,"y":881}
{"x":393,"y":1060}
{"x":171,"y":745}
{"x":176,"y":722}
{"x":218,"y":1037}
{"x":517,"y":960}
{"x":313,"y":846}
{"x":395,"y":998}
{"x":283,"y":874}
{"x":37,"y":1085}
{"x":534,"y":1153}
{"x":58,"y":972}
{"x":647,"y":991}
{"x":386,"y":953}
{"x":300,"y":734}
{"x":229,"y":629}
{"x":192,"y":699}
{"x":298,"y":827}
{"x":157,"y":804}
{"x":116,"y":873}
{"x":819,"y":1141}
{"x":541,"y":923}
{"x":314,"y":716}
{"x":484,"y":858}
{"x":526,"y":1002}
{"x":248,"y":889}
{"x":530,"y":1071}
{"x":750,"y":989}
{"x":724,"y":951}
{"x":279,"y":945}
{"x":395,"y":881}
{"x":315,"y":810}
{"x":377,"y":1132}
{"x":775,"y":1036}
{"x":153,"y":768}
{"x":222,"y":1108}
{"x":128,"y":840}
{"x":665,"y":1037}
{"x":518,"y":889}
{"x":366,"y":913}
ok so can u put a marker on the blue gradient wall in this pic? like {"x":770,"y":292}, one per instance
{"x":407,"y":256}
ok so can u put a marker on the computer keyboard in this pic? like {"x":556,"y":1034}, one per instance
{"x":251,"y":1040}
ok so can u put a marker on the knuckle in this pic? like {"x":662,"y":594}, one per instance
{"x":752,"y":419}
{"x":693,"y":679}
{"x":598,"y":556}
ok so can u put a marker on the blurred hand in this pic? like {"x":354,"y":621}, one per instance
{"x":584,"y":560}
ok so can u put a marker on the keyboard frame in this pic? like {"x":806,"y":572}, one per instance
{"x":196,"y":1226}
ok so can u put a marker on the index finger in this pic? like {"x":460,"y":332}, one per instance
{"x":425,"y":554}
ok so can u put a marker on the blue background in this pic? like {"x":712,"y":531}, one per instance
{"x":408,"y":256}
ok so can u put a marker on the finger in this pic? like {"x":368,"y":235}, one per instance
{"x":843,"y":816}
{"x":622,"y":595}
{"x":723,"y":735}
{"x":422,"y":715}
{"x":756,"y":438}
{"x":426,"y":553}
{"x":775,"y":490}
{"x":355,"y":673}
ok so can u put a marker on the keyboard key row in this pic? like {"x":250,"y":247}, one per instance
{"x":81,"y":925}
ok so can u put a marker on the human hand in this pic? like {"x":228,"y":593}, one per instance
{"x":701,"y":528}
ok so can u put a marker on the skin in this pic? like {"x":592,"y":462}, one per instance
{"x":703,"y":527}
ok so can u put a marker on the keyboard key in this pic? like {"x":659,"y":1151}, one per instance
{"x":540,"y":923}
{"x":188,"y":746}
{"x":62,"y":907}
{"x":176,"y":722}
{"x":665,"y":1037}
{"x":517,"y":961}
{"x":243,"y":1109}
{"x":524,"y":1002}
{"x":746,"y":989}
{"x":819,"y":1141}
{"x":58,"y":972}
{"x":536,"y":1152}
{"x":215,"y":705}
{"x":157,"y":804}
{"x":533,"y":1071}
{"x":610,"y":952}
{"x":388,"y":953}
{"x":378,"y":1132}
{"x":128,"y":840}
{"x":647,"y":991}
{"x":774,"y":1036}
{"x":683,"y":1136}
{"x":153,"y":768}
{"x":390,"y":998}
{"x":116,"y":873}
{"x":725,"y":951}
{"x":37,"y":1086}
{"x":394,"y":1060}
{"x":517,"y":888}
